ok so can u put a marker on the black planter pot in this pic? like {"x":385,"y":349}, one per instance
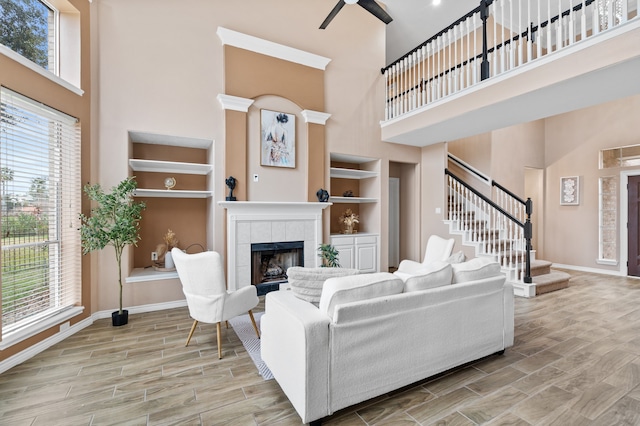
{"x":118,"y":319}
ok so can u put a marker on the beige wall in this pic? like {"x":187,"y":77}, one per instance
{"x":572,"y":145}
{"x":161,"y":66}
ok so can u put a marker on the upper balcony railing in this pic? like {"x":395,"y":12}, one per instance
{"x":495,"y":37}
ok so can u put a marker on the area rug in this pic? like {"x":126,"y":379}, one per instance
{"x":244,"y":329}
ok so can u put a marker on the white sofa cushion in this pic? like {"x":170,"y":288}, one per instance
{"x":340,"y":290}
{"x":306,"y":283}
{"x":435,"y":274}
{"x":457,"y":257}
{"x":475,"y":269}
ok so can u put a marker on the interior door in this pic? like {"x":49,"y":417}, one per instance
{"x":633,"y":194}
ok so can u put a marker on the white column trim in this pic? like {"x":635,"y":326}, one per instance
{"x":269,"y":48}
{"x":315,"y":117}
{"x":235,"y":103}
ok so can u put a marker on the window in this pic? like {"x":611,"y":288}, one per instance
{"x":40,"y":241}
{"x":608,"y":212}
{"x":28,"y":27}
{"x":624,"y":156}
{"x":43,"y":35}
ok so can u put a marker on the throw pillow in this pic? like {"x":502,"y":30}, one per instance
{"x":306,"y":283}
{"x":475,"y":269}
{"x":435,"y":274}
{"x":337,"y":291}
{"x":458,"y":257}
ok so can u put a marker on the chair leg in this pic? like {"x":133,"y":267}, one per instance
{"x":193,"y":328}
{"x":253,"y":321}
{"x":219,"y":330}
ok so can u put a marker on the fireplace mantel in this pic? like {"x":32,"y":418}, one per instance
{"x":266,"y":222}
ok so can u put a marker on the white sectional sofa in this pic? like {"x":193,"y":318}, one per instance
{"x":367,"y":336}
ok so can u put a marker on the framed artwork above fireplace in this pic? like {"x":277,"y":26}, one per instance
{"x":278,"y":139}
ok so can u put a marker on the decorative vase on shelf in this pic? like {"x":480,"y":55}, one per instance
{"x":348,"y":229}
{"x":168,"y":261}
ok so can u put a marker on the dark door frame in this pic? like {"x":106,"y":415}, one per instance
{"x":623,"y":207}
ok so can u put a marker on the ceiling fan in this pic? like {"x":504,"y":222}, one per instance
{"x":373,"y":8}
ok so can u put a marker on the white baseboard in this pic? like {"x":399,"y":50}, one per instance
{"x":143,"y":308}
{"x":34,"y":350}
{"x":587,"y":269}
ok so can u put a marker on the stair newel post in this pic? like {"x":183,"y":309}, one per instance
{"x":528,"y":233}
{"x":484,"y":15}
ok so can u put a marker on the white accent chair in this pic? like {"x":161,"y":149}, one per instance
{"x":438,"y":249}
{"x":204,"y":286}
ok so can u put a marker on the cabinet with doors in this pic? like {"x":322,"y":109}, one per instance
{"x":355,"y":186}
{"x":357,"y":251}
{"x":173,"y":177}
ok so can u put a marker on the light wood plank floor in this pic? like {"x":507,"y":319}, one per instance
{"x":576,"y":361}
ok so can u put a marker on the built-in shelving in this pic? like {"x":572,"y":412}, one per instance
{"x":340,"y":173}
{"x":351,"y":200}
{"x":171,"y":193}
{"x":157,"y":166}
{"x":355,"y":186}
{"x":139,"y":275}
{"x":153,"y":159}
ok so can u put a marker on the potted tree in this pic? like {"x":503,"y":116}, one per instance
{"x":115,"y":221}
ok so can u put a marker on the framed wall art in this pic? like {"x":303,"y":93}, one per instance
{"x":278,"y":139}
{"x":569,"y":191}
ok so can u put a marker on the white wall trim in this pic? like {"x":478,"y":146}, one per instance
{"x":315,"y":117}
{"x":234,"y":103}
{"x":66,"y":332}
{"x":269,"y":48}
{"x":590,"y":270}
{"x":38,"y":69}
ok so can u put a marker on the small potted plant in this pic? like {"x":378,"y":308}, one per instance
{"x":115,"y":221}
{"x":329,"y":255}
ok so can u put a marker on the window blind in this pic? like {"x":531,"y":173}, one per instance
{"x":41,"y":196}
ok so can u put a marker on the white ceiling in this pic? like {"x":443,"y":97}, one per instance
{"x":414,"y":21}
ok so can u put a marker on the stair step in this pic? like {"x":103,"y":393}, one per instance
{"x":540,"y":267}
{"x":555,"y":280}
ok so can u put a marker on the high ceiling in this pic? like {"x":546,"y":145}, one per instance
{"x":414,"y":21}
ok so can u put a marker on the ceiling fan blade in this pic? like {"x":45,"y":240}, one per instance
{"x":332,"y":14}
{"x":376,"y":10}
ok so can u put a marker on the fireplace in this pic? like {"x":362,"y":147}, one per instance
{"x":254,"y":222}
{"x":270,"y":261}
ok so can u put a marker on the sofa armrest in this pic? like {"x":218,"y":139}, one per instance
{"x":295,"y":347}
{"x":410,"y":267}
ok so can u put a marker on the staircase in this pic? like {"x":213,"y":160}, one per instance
{"x":499,"y":230}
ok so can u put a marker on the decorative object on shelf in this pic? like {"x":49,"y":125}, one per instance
{"x":231,"y":184}
{"x":329,"y":255}
{"x":114,"y":221}
{"x":323,"y":195}
{"x":349,"y":219}
{"x":569,"y":191}
{"x":169,"y":182}
{"x":165,"y":261}
{"x":278,"y":136}
{"x":347,"y":193}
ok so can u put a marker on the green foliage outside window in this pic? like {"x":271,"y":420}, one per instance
{"x":24,"y":28}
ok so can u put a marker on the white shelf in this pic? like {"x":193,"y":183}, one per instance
{"x":158,"y":139}
{"x":139,"y":275}
{"x":156,"y":166}
{"x":171,"y":193}
{"x":352,"y":200}
{"x":341,"y":173}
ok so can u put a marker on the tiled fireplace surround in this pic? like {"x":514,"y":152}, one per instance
{"x":265,"y":222}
